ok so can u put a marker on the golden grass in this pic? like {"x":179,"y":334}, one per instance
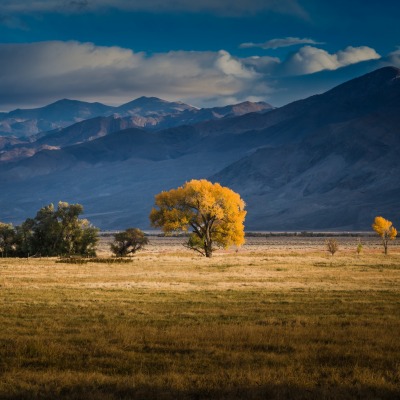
{"x":267,"y":322}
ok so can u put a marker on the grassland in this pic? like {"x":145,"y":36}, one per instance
{"x":279,"y":319}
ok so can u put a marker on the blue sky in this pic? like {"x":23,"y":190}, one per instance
{"x":206,"y":53}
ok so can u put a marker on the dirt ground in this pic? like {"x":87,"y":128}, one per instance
{"x":274,"y":244}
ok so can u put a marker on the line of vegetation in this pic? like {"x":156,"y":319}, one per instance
{"x":209,"y":215}
{"x":310,"y":234}
{"x":80,"y":260}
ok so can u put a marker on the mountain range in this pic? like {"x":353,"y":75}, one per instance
{"x":144,"y":112}
{"x":328,"y":162}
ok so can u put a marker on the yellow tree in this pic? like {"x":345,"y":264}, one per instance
{"x":385,"y":230}
{"x":214,"y":214}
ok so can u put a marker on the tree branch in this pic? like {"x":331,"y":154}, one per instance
{"x":193,"y":248}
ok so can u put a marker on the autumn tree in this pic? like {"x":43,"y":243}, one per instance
{"x":128,"y":242}
{"x":214,"y":214}
{"x":385,"y":230}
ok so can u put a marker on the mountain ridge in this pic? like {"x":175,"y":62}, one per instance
{"x":150,"y":112}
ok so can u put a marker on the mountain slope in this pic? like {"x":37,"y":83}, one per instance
{"x":340,"y":167}
{"x":80,"y":132}
{"x":115,"y":176}
{"x":326,"y":162}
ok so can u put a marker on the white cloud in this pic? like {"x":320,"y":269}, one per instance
{"x":231,"y":66}
{"x":46,"y":71}
{"x":311,"y":59}
{"x":222,"y":7}
{"x":353,"y":55}
{"x":34,"y":74}
{"x":277,"y":43}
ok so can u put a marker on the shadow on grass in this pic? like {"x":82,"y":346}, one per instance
{"x":110,"y":391}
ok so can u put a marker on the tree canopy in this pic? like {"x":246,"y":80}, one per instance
{"x":7,"y":239}
{"x":215,"y":215}
{"x":385,"y":230}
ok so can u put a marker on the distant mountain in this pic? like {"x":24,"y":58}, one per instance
{"x":62,"y":113}
{"x":80,"y":132}
{"x":326,"y":162}
{"x":145,"y":112}
{"x":158,"y":113}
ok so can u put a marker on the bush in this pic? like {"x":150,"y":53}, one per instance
{"x":128,"y":242}
{"x":332,"y":245}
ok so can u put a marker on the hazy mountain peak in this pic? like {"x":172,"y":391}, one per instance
{"x":144,"y":106}
{"x":149,"y":99}
{"x":65,"y":102}
{"x":145,"y":100}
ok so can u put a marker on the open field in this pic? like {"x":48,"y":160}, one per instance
{"x":278,"y":319}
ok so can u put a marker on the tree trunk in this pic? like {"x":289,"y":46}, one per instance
{"x":208,"y":248}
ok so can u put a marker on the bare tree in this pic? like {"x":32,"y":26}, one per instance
{"x":332,"y":245}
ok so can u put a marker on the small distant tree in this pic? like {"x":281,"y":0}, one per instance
{"x":214,"y":214}
{"x":128,"y":242}
{"x":385,"y":230}
{"x":332,"y":245}
{"x":359,"y":247}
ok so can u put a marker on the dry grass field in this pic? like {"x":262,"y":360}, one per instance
{"x":278,"y":319}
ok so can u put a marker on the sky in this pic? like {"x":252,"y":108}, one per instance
{"x":205,"y":53}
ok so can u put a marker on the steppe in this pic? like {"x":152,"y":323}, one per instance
{"x":279,"y":318}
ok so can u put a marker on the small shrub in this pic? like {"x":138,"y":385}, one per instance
{"x":74,"y":260}
{"x":128,"y":242}
{"x":359,"y":247}
{"x":332,"y":245}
